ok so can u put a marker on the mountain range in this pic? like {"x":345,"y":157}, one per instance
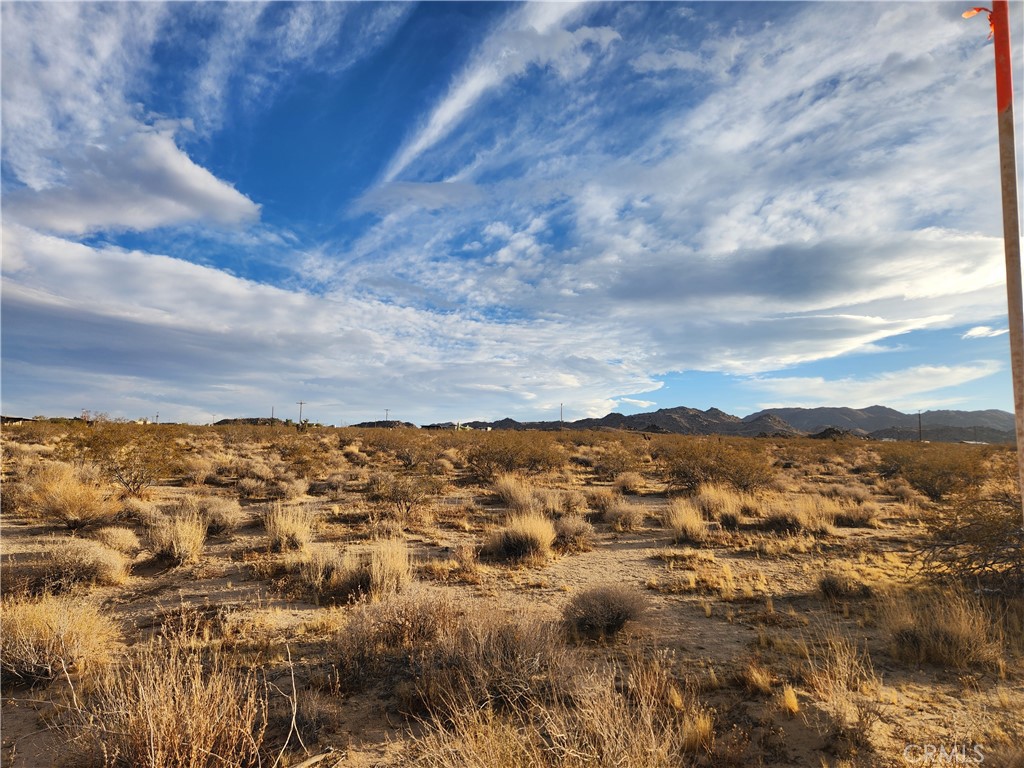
{"x":878,"y":422}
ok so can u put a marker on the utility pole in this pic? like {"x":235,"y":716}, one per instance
{"x":920,"y":432}
{"x":560,"y":417}
{"x":387,"y":411}
{"x":300,"y":403}
{"x":999,"y":26}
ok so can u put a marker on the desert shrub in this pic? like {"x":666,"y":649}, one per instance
{"x":625,"y":516}
{"x":403,"y":493}
{"x":74,"y":561}
{"x":601,"y":499}
{"x":290,"y":488}
{"x":132,"y":456}
{"x":525,"y":538}
{"x":842,"y":585}
{"x":251,"y":488}
{"x":574,"y":534}
{"x":328,"y":575}
{"x":979,"y":539}
{"x":172,"y":705}
{"x":690,"y":462}
{"x":390,"y":568}
{"x":118,"y":538}
{"x":856,"y":494}
{"x":946,"y":627}
{"x":61,"y":494}
{"x":41,"y":638}
{"x":289,"y":527}
{"x":614,"y":460}
{"x":509,"y":662}
{"x":935,"y":469}
{"x":382,"y":639}
{"x":218,"y":513}
{"x":602,"y":611}
{"x":508,"y":451}
{"x":252,"y":469}
{"x":629,"y":482}
{"x":685,"y":522}
{"x":574,"y":502}
{"x":177,"y":538}
{"x":198,"y":469}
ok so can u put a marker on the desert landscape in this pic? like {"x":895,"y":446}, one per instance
{"x":247,"y":595}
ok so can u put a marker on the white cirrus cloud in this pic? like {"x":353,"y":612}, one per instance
{"x":984,"y":332}
{"x":532,"y":35}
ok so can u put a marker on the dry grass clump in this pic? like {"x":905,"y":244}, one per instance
{"x":573,"y":534}
{"x":637,"y":715}
{"x":61,"y":494}
{"x":222,"y":515}
{"x":525,"y":538}
{"x":390,"y":568}
{"x":629,"y":482}
{"x":601,"y":611}
{"x":812,"y":514}
{"x":625,"y":516}
{"x":74,"y":561}
{"x":42,"y":638}
{"x":685,"y":522}
{"x":574,"y":502}
{"x":842,"y":585}
{"x":219,"y":513}
{"x":382,"y":639}
{"x":289,"y":527}
{"x":863,"y":515}
{"x":172,"y":705}
{"x":518,"y":493}
{"x":330,"y":574}
{"x":600,"y":500}
{"x":198,"y":469}
{"x":757,"y":678}
{"x":118,"y":538}
{"x":716,"y":500}
{"x":512,"y":663}
{"x":251,"y":488}
{"x":946,"y":627}
{"x":843,"y":678}
{"x":178,"y":538}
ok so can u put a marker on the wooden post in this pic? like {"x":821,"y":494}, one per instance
{"x":999,"y":22}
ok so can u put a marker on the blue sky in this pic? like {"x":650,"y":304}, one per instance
{"x":478,"y":210}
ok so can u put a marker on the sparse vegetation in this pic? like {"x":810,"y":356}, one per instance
{"x":443,"y":618}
